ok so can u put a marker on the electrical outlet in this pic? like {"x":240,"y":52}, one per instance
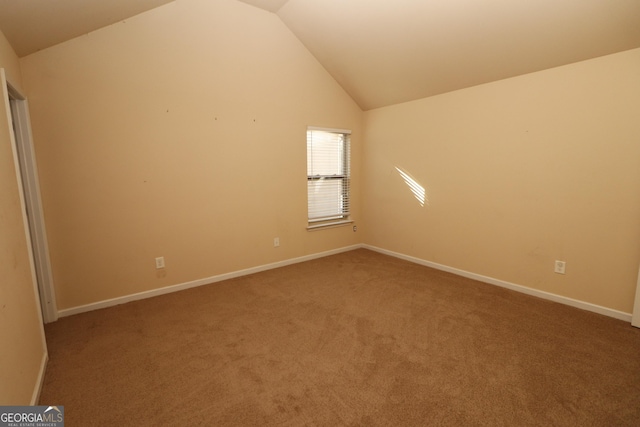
{"x":560,"y":267}
{"x":276,"y":242}
{"x":160,"y":262}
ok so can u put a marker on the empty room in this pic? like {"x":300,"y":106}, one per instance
{"x":319,"y":213}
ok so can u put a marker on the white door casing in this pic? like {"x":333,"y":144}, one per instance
{"x":26,"y":168}
{"x":635,"y":319}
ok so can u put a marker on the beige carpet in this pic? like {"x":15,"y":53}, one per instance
{"x":355,"y":339}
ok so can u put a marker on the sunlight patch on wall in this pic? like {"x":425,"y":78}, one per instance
{"x":418,"y":190}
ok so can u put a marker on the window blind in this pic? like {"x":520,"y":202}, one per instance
{"x":328,"y":174}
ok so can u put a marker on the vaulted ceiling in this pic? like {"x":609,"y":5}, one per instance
{"x":384,"y":52}
{"x":32,"y":25}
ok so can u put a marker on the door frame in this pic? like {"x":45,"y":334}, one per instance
{"x":635,"y":317}
{"x":30,"y":189}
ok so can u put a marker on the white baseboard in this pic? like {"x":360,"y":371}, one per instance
{"x":519,"y":288}
{"x":490,"y":280}
{"x":200,"y":282}
{"x":35,"y":397}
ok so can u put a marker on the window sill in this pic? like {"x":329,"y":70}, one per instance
{"x":325,"y":225}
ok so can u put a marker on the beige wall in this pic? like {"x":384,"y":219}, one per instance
{"x":22,"y":347}
{"x":179,"y":133}
{"x":518,"y":173}
{"x":10,"y":62}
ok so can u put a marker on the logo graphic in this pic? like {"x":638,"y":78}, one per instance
{"x":32,"y":416}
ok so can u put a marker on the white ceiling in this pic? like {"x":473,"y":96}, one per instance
{"x":384,"y":52}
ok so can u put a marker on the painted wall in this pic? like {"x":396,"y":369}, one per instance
{"x":518,"y":173}
{"x":9,"y":61}
{"x":181,"y":133}
{"x":22,"y":348}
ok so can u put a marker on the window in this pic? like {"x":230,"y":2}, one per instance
{"x":327,"y":177}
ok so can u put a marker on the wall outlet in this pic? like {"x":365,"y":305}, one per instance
{"x":160,"y":262}
{"x":559,"y":267}
{"x":276,"y":242}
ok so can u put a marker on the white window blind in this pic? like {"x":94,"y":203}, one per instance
{"x":327,"y":175}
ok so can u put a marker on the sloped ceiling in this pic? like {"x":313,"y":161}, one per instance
{"x":32,"y":25}
{"x":384,"y":52}
{"x":268,"y":5}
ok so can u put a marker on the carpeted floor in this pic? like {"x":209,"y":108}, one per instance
{"x":355,"y":339}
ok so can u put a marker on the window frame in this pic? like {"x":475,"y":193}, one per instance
{"x":343,"y":217}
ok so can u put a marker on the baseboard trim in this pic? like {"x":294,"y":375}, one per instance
{"x":35,"y":397}
{"x":503,"y":284}
{"x":200,"y":282}
{"x":226,"y":276}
